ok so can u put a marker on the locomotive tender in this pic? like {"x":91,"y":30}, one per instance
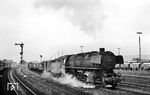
{"x":91,"y":67}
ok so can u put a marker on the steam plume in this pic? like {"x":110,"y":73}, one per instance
{"x":68,"y":80}
{"x":86,"y":14}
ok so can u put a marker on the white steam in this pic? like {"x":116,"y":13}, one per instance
{"x":86,"y":14}
{"x":67,"y":80}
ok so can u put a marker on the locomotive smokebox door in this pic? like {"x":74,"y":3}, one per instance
{"x":108,"y":60}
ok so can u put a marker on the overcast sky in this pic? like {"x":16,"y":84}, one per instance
{"x":49,"y":26}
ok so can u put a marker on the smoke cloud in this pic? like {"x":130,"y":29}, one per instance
{"x":85,"y":14}
{"x":71,"y":81}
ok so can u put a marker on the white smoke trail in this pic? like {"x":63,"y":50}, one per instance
{"x":46,"y":74}
{"x":72,"y":81}
{"x":68,"y":80}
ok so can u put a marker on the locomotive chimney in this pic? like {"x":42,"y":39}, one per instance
{"x":101,"y":50}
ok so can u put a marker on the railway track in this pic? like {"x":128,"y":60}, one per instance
{"x":22,"y":87}
{"x":134,"y":88}
{"x":135,"y":85}
{"x":137,"y":76}
{"x":130,"y":91}
{"x":55,"y":87}
{"x":117,"y":91}
{"x":12,"y":80}
{"x":120,"y":90}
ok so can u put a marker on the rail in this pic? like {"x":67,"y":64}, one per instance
{"x":14,"y":77}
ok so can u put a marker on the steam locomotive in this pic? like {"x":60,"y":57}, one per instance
{"x":91,"y":67}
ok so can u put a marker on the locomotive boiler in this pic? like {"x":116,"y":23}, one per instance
{"x":92,"y":67}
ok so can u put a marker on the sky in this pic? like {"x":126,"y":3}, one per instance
{"x":58,"y":27}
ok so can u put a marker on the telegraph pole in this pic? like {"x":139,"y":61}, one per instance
{"x":21,"y":53}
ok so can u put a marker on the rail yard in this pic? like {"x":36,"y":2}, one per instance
{"x":33,"y":83}
{"x":89,"y":73}
{"x":74,"y":47}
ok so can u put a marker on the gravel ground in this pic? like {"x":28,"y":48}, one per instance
{"x":43,"y":85}
{"x":140,"y":78}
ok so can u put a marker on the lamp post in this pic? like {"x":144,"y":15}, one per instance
{"x":21,"y":53}
{"x":118,"y":51}
{"x":119,"y":54}
{"x":81,"y":48}
{"x":139,"y":45}
{"x":41,"y":57}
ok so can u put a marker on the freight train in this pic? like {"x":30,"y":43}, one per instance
{"x":134,"y":66}
{"x":36,"y":66}
{"x":90,"y":67}
{"x":4,"y":64}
